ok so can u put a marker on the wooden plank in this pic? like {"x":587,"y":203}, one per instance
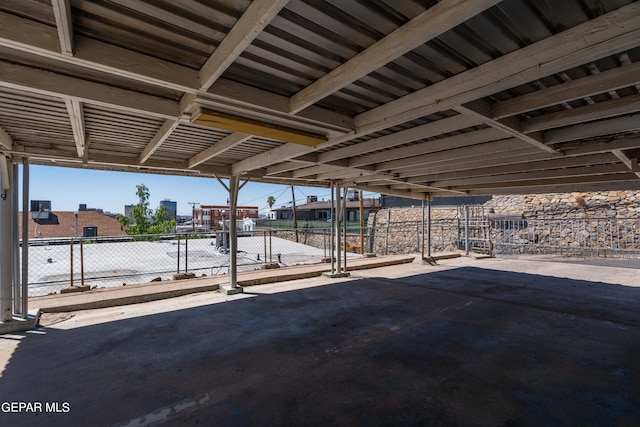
{"x":163,"y":133}
{"x":42,"y":40}
{"x":598,"y":111}
{"x":593,"y":129}
{"x":504,"y":166}
{"x":530,"y":175}
{"x":606,"y":35}
{"x":481,"y":160}
{"x":220,"y":147}
{"x":253,"y":127}
{"x":630,"y":184}
{"x":582,"y":179}
{"x":62,"y":13}
{"x":254,"y":19}
{"x":52,"y":84}
{"x":449,"y":124}
{"x":76,"y":117}
{"x":435,"y":21}
{"x":630,"y":164}
{"x":447,"y":143}
{"x":227,"y":91}
{"x":498,"y":148}
{"x":5,"y":139}
{"x":481,"y":110}
{"x":602,"y":82}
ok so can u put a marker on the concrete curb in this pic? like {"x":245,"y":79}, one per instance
{"x":146,"y":293}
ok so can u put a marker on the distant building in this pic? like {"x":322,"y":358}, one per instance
{"x":128,"y":211}
{"x":172,"y":208}
{"x":61,"y":224}
{"x":315,"y":210}
{"x":208,"y":217}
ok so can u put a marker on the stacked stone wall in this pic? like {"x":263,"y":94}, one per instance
{"x":603,"y":204}
{"x":600,"y":221}
{"x":595,"y":221}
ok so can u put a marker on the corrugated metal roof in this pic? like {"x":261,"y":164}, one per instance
{"x":549,"y":90}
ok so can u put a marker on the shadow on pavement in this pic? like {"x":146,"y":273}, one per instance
{"x":465,"y":346}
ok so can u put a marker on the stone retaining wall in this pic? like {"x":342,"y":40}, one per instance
{"x":559,"y":207}
{"x":399,"y":230}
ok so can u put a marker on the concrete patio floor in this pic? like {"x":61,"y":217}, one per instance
{"x":521,"y":341}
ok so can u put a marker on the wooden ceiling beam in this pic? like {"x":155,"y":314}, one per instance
{"x":608,"y":34}
{"x":433,"y":22}
{"x":558,"y":188}
{"x":429,"y":130}
{"x":531,"y":175}
{"x":628,"y":75}
{"x":36,"y":80}
{"x":520,"y":165}
{"x":594,"y":129}
{"x":6,"y":141}
{"x":76,"y":117}
{"x":587,"y":113}
{"x":612,"y":33}
{"x":466,"y":139}
{"x":255,"y":18}
{"x":481,"y":110}
{"x":64,"y":25}
{"x":219,"y":147}
{"x":630,"y":163}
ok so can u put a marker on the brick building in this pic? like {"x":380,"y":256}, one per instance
{"x":62,"y":224}
{"x":208,"y":217}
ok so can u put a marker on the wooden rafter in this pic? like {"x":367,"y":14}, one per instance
{"x":62,"y":13}
{"x":430,"y":24}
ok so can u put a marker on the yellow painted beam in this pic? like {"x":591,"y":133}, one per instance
{"x":254,"y":127}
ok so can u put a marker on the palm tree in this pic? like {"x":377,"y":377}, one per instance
{"x":270,"y":201}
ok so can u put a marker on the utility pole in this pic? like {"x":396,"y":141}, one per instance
{"x":193,"y":214}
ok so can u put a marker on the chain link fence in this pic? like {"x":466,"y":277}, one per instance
{"x":55,"y":264}
{"x":568,"y":237}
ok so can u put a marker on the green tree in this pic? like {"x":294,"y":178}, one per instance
{"x":146,"y":220}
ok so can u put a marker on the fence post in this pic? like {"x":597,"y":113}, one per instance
{"x":81,"y":262}
{"x":186,"y":252}
{"x":264,"y":237}
{"x":386,"y":237}
{"x":178,"y":270}
{"x":324,"y":241}
{"x":466,"y":230}
{"x":71,"y":263}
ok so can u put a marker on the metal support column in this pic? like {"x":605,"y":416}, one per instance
{"x":6,"y":244}
{"x":233,"y":232}
{"x":25,"y":238}
{"x":233,"y":189}
{"x":361,"y":223}
{"x":15,"y":240}
{"x":336,"y":231}
{"x":345,"y":190}
{"x":331,"y":237}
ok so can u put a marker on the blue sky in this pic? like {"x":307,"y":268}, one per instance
{"x":110,"y":191}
